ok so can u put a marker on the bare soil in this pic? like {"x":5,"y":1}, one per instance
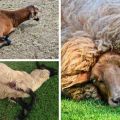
{"x":33,"y":39}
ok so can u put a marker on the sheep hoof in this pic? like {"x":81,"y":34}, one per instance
{"x":29,"y":107}
{"x":8,"y":41}
{"x":22,"y":115}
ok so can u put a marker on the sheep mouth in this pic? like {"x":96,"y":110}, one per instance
{"x":36,"y":18}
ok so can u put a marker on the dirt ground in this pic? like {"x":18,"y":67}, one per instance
{"x":33,"y":39}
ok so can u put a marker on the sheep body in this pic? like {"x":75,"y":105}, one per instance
{"x":81,"y":62}
{"x":96,"y":19}
{"x":14,"y":84}
{"x":79,"y":52}
{"x":94,"y":24}
{"x":78,"y":55}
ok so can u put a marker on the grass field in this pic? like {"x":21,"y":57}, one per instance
{"x":46,"y":106}
{"x":88,"y":110}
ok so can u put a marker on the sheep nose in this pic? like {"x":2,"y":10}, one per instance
{"x":117,"y":100}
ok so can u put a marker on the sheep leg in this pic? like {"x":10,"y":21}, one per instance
{"x":10,"y":32}
{"x":20,"y":102}
{"x":8,"y":41}
{"x":5,"y":41}
{"x":26,"y":107}
{"x":3,"y":44}
{"x":24,"y":110}
{"x":32,"y":94}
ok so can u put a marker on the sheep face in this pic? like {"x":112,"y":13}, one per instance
{"x":39,"y":76}
{"x":107,"y":80}
{"x":33,"y":12}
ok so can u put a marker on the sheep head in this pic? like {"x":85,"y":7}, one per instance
{"x":33,"y":12}
{"x":106,"y":77}
{"x":39,"y":76}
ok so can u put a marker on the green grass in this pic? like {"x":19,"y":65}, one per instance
{"x":88,"y":110}
{"x":46,"y":106}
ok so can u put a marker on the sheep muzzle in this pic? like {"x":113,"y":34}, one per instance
{"x":34,"y":11}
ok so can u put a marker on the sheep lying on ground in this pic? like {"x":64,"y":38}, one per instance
{"x":16,"y":85}
{"x":9,"y":20}
{"x":96,"y":19}
{"x":82,"y":64}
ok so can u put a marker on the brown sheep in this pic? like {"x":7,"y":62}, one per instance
{"x":81,"y":62}
{"x":91,"y":28}
{"x":9,"y":20}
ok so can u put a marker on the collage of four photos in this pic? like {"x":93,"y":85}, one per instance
{"x":59,"y":59}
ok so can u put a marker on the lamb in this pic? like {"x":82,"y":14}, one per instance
{"x":17,"y":85}
{"x":9,"y":20}
{"x":96,"y":19}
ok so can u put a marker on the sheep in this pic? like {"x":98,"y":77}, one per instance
{"x":9,"y":20}
{"x":96,"y":19}
{"x":83,"y":64}
{"x":90,"y":28}
{"x":16,"y":85}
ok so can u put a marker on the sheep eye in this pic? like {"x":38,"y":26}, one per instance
{"x":93,"y":80}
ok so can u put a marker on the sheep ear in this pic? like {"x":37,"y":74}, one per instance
{"x":31,"y":9}
{"x":83,"y":77}
{"x":32,"y":14}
